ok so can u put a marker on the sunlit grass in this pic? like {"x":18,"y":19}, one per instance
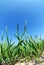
{"x":27,"y":48}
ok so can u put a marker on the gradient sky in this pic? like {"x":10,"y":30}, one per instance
{"x":13,"y":11}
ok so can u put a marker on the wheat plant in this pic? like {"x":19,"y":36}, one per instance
{"x":27,"y":48}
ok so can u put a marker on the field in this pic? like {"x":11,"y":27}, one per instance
{"x":28,"y":50}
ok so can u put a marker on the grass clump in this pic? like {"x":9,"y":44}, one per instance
{"x":27,"y":48}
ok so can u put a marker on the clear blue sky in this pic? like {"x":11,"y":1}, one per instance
{"x":13,"y":11}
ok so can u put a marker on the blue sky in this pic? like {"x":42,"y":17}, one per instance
{"x":13,"y":11}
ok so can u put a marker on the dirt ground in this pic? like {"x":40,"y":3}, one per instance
{"x":41,"y":62}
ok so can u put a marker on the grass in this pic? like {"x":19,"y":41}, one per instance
{"x":27,"y":48}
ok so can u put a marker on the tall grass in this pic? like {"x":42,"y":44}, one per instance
{"x":27,"y":48}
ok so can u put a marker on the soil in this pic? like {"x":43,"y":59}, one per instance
{"x":40,"y":62}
